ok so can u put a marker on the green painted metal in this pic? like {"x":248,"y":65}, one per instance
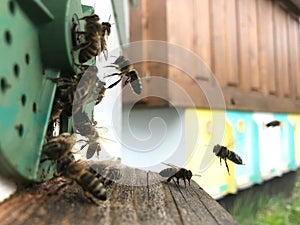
{"x":35,"y":43}
{"x":118,"y":8}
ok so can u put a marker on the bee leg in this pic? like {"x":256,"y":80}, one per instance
{"x":189,"y":182}
{"x":83,"y":146}
{"x":80,"y":32}
{"x":178,"y":181}
{"x":61,"y":187}
{"x":113,"y":74}
{"x":114,"y":84}
{"x":184,"y":182}
{"x":98,"y":150}
{"x":170,"y":178}
{"x":220,"y":161}
{"x":227,"y":167}
{"x":89,"y":197}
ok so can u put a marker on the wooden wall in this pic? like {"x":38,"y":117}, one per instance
{"x":251,"y":46}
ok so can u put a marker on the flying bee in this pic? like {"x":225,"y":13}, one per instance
{"x":273,"y":123}
{"x":106,"y":28}
{"x":224,"y":153}
{"x":90,"y":88}
{"x":126,"y":70}
{"x":85,"y":127}
{"x":95,"y":34}
{"x":100,"y":89}
{"x":178,"y":173}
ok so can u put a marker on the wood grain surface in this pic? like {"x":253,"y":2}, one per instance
{"x":138,"y":198}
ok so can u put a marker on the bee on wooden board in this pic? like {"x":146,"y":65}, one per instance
{"x":93,"y":184}
{"x":95,"y":35}
{"x":59,"y":150}
{"x":224,"y":153}
{"x":176,"y":172}
{"x":126,"y":70}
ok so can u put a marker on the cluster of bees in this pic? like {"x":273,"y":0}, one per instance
{"x":71,"y":99}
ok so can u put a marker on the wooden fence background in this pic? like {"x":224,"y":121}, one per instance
{"x":251,"y":46}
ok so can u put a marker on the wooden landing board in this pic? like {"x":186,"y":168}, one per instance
{"x":141,"y":198}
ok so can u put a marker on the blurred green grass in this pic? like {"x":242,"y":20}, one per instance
{"x":264,"y":210}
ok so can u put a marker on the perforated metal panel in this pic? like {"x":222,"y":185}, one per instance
{"x":35,"y":43}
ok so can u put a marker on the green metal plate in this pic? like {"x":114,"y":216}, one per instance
{"x":27,"y":58}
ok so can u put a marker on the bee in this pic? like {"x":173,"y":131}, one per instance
{"x":91,"y":183}
{"x":101,"y":92}
{"x":85,"y":88}
{"x":64,"y":96}
{"x":59,"y":149}
{"x":95,"y":34}
{"x":178,"y":173}
{"x":59,"y":146}
{"x":273,"y":123}
{"x":108,"y":169}
{"x":106,"y":29}
{"x":85,"y":127}
{"x":224,"y":153}
{"x":126,"y":70}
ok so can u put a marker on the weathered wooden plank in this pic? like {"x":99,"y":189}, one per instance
{"x":281,"y":51}
{"x":217,"y":16}
{"x":247,"y":45}
{"x":266,"y":47}
{"x":293,"y":50}
{"x":231,"y":58}
{"x":202,"y":39}
{"x":139,"y":198}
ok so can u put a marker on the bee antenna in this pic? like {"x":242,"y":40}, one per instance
{"x":197,"y":175}
{"x":109,"y":18}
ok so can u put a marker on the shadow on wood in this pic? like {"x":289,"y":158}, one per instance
{"x":143,"y":199}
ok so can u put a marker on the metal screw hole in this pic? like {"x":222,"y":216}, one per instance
{"x":34,"y":107}
{"x":23,"y":100}
{"x":8,"y":37}
{"x":16,"y":70}
{"x":11,"y":6}
{"x":27,"y":58}
{"x":20,"y":129}
{"x":4,"y":85}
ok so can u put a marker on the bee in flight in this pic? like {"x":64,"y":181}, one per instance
{"x":126,"y":70}
{"x":85,"y":127}
{"x":176,"y":172}
{"x":273,"y":123}
{"x":58,"y":149}
{"x":95,"y":35}
{"x":224,"y":153}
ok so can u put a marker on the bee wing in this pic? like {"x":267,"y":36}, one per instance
{"x":171,"y":165}
{"x":110,"y":169}
{"x":102,"y":130}
{"x":107,"y":140}
{"x":207,"y":160}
